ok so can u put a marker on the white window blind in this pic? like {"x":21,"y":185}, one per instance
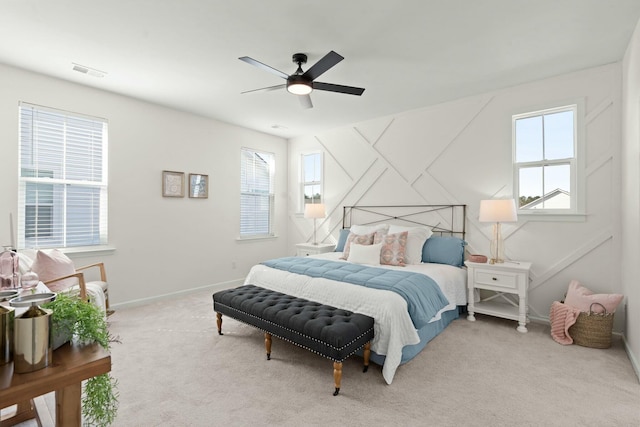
{"x":63,"y":179}
{"x":256,"y":193}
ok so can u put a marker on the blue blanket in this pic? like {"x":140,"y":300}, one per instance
{"x":424,"y":297}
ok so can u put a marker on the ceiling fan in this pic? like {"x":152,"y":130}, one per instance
{"x":302,"y":83}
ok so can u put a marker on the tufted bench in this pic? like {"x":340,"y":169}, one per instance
{"x":328,"y":331}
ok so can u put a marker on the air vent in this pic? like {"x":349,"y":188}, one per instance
{"x":87,"y":70}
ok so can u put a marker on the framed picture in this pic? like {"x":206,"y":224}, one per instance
{"x":198,"y":186}
{"x":172,"y":184}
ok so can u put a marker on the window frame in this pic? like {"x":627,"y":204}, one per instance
{"x":304,"y":184}
{"x":576,"y":212}
{"x":271,"y":195}
{"x":65,"y":184}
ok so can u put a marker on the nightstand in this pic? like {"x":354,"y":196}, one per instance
{"x":509,"y":277}
{"x":306,"y":249}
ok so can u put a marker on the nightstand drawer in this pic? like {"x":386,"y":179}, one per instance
{"x":491,"y":278}
{"x":307,"y":249}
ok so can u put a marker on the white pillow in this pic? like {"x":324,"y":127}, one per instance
{"x":415,"y":241}
{"x":359,"y":239}
{"x":365,"y":254}
{"x":368,"y":229}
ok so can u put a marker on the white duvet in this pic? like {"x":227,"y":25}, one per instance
{"x":393,"y":327}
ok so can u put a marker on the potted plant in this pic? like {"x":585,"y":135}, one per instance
{"x":79,"y":321}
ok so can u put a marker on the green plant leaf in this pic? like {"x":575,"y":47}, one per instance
{"x":86,"y":323}
{"x":100,"y":400}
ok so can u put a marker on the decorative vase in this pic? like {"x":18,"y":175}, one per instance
{"x":60,"y":337}
{"x":9,"y":269}
{"x":32,"y":333}
{"x":29,"y":280}
{"x":6,"y":334}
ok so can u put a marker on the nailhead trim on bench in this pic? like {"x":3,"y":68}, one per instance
{"x":298,"y":333}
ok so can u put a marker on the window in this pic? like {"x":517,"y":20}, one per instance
{"x":256,"y":194}
{"x":545,"y":160}
{"x":311,"y":179}
{"x":63,"y":179}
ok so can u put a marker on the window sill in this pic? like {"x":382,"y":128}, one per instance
{"x":552,"y":217}
{"x":88,"y":250}
{"x":253,"y":238}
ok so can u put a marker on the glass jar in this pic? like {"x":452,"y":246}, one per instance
{"x":29,"y":280}
{"x":9,"y":269}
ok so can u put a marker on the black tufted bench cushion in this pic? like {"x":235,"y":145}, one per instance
{"x":331,"y":332}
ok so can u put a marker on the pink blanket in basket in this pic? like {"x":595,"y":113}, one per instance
{"x":562,"y":318}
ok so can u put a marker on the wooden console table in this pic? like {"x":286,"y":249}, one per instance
{"x":71,"y":365}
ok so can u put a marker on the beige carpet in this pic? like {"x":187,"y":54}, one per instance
{"x":174,"y":370}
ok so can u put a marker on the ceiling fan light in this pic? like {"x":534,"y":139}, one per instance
{"x":299,"y":88}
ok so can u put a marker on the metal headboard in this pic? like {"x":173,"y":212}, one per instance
{"x":447,"y":220}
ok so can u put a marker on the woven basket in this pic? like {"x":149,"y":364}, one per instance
{"x":592,"y":329}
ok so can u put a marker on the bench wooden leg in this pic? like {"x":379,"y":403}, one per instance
{"x":267,"y":344}
{"x":219,"y":323}
{"x":366,"y":355}
{"x":337,"y":376}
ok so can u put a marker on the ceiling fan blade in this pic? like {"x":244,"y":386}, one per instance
{"x":265,"y":89}
{"x":259,"y":64}
{"x":326,"y":62}
{"x":350,"y":90}
{"x":305,"y":101}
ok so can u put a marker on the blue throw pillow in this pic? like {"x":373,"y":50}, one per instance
{"x":444,"y":250}
{"x":344,"y":233}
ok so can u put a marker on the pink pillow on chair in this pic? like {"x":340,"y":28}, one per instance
{"x":54,"y":264}
{"x":581,"y":298}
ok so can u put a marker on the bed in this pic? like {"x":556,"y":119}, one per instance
{"x":400,"y":333}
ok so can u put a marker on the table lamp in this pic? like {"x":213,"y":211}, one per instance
{"x":315,"y":211}
{"x":497,"y":211}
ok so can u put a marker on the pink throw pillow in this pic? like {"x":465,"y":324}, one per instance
{"x":581,"y":298}
{"x":393,"y":251}
{"x":360,"y":239}
{"x":52,"y":265}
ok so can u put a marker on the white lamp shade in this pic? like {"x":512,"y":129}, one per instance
{"x":498,"y":211}
{"x":314,"y":210}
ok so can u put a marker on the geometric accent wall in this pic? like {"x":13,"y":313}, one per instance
{"x":460,"y":152}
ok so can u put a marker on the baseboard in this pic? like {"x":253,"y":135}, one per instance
{"x":536,"y":319}
{"x":632,"y":358}
{"x":213,"y":288}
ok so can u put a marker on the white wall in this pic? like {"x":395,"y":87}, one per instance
{"x":631,"y":194}
{"x":163,"y":245}
{"x":460,"y":152}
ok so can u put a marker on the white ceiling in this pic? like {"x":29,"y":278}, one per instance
{"x":407,"y":54}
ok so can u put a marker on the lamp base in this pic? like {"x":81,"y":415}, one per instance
{"x":497,"y":245}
